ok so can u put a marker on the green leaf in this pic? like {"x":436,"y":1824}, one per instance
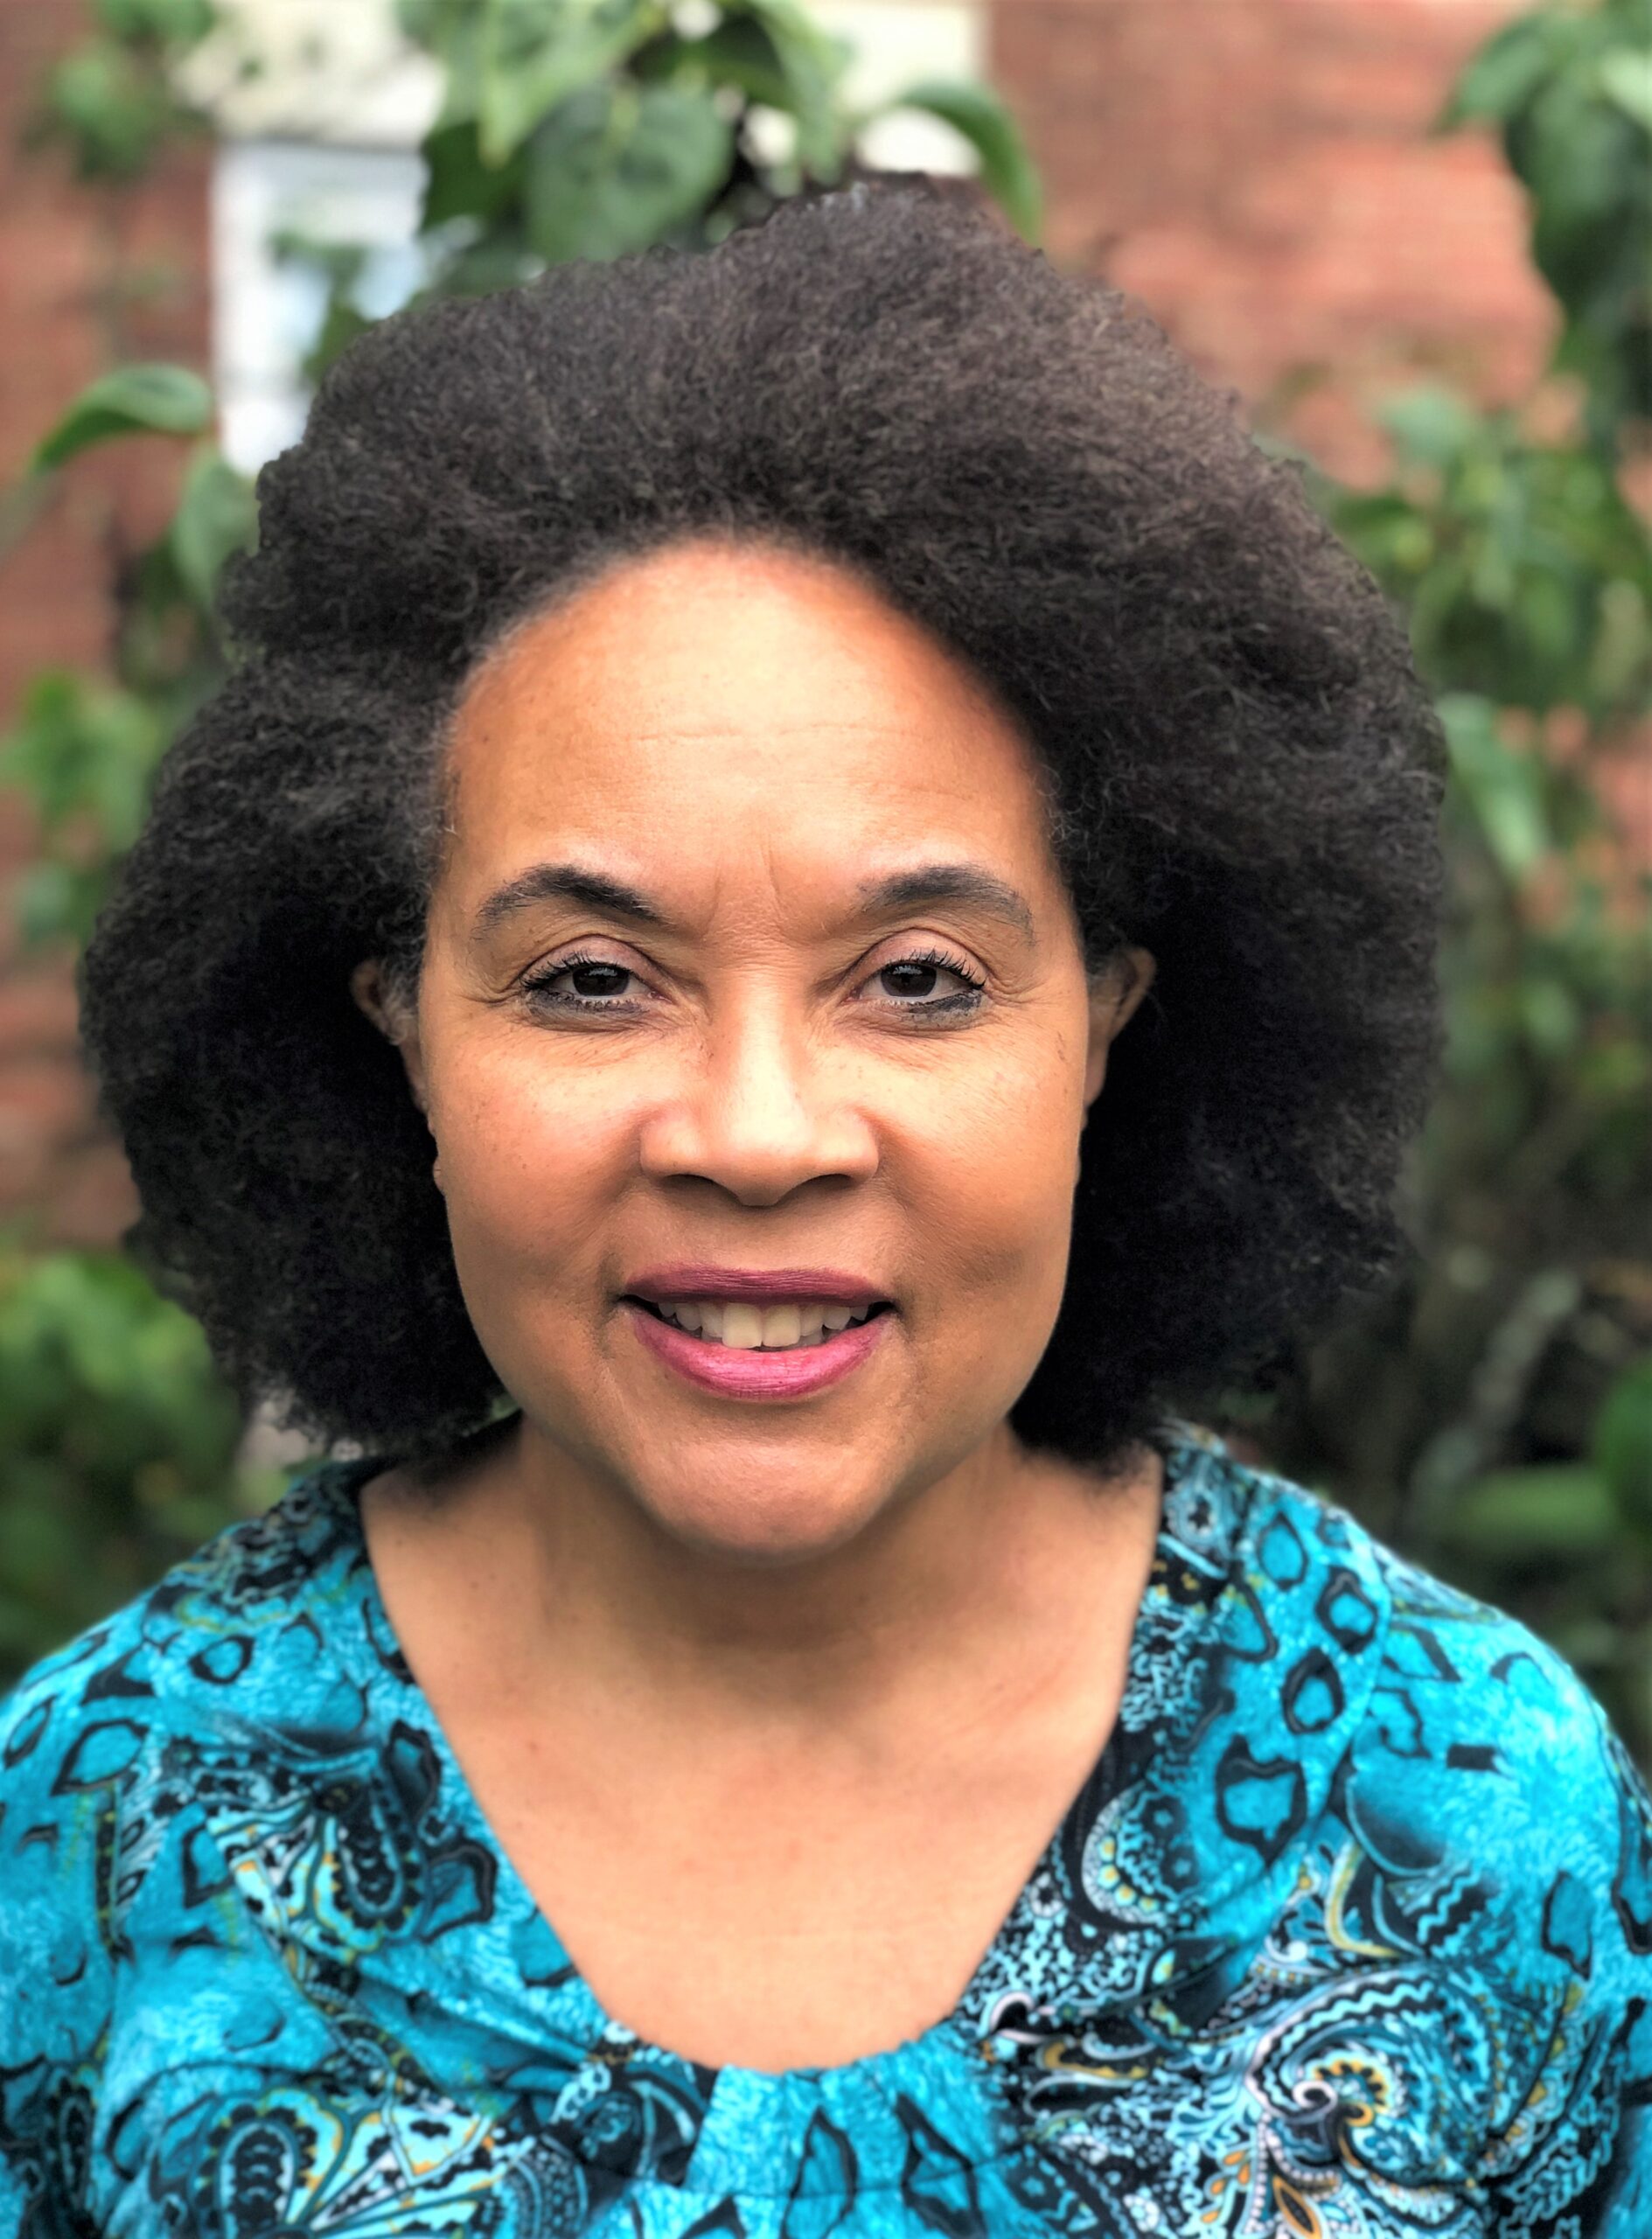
{"x":617,"y":168}
{"x":217,"y":515}
{"x":79,"y":744}
{"x":1432,"y":425}
{"x":1008,"y":170}
{"x":453,"y":31}
{"x":1566,"y":1510}
{"x":1505,"y":73}
{"x":48,"y":903}
{"x":86,"y":752}
{"x":112,"y":106}
{"x":458,"y":184}
{"x":164,"y":399}
{"x":177,"y":23}
{"x":813,"y":62}
{"x":1622,"y":1443}
{"x":528,"y":71}
{"x":741,"y":52}
{"x":427,"y":22}
{"x":1504,"y":788}
{"x":1549,"y":1012}
{"x":1626,"y":78}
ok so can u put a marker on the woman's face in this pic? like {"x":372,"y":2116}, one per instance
{"x":748,"y":954}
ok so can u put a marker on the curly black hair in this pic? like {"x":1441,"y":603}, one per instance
{"x":1243,"y":776}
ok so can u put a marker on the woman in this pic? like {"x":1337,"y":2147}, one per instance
{"x":812,"y":909}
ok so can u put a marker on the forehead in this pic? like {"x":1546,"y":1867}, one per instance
{"x":740,"y":698}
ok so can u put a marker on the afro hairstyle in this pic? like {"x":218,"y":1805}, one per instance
{"x":1244,"y":775}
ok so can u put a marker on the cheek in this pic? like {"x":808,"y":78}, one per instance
{"x":529,"y":1150}
{"x":988,"y":1170}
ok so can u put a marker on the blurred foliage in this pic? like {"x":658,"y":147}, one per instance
{"x":84,"y":749}
{"x":597,"y":130}
{"x":132,"y":397}
{"x":1570,"y":90}
{"x":112,"y":99}
{"x":1489,"y":1415}
{"x":119,"y":1443}
{"x":1522,"y":568}
{"x":1492,"y":1414}
{"x":1481,"y":1414}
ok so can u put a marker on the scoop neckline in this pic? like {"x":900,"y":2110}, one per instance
{"x":959,"y":2036}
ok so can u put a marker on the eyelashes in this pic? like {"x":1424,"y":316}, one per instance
{"x":542,"y":994}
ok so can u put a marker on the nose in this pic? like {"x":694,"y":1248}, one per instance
{"x":758,"y":1110}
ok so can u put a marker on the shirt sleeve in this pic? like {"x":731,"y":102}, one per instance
{"x":1573,"y":2159}
{"x":59,"y":1765}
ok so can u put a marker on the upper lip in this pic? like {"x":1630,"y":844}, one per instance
{"x":767,"y":1286}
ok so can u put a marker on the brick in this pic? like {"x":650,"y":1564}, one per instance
{"x":68,"y":309}
{"x":1261,"y":174}
{"x":88,"y":1201}
{"x":37,"y":1013}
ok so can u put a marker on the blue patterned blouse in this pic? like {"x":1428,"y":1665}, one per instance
{"x":1347,"y":1936}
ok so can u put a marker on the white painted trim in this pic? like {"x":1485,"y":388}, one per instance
{"x":338,"y":70}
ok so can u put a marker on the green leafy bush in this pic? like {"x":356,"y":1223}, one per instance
{"x":1488,"y":1414}
{"x":1570,"y":89}
{"x":119,"y":1444}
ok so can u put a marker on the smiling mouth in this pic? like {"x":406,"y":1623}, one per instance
{"x":738,"y":1326}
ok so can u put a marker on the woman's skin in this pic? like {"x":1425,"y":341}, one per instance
{"x":773,"y":1704}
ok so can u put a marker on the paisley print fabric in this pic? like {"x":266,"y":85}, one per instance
{"x":1347,"y":1936}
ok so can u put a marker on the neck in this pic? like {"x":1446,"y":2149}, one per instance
{"x":560,"y":1574}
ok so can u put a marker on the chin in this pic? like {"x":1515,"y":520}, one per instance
{"x":763,"y":1524}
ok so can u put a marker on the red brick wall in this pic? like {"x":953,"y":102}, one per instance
{"x":85,"y":281}
{"x":1259,"y":173}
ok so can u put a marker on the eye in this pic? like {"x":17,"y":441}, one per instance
{"x":915,"y":975}
{"x":542,"y":991}
{"x":604,"y":983}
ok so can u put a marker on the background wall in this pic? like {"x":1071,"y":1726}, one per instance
{"x":1260,"y":172}
{"x":82,"y":284}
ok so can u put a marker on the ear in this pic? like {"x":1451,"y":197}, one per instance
{"x":1116,"y":992}
{"x":397,"y":1021}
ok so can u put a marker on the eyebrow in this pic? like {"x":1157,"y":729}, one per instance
{"x":969,"y":885}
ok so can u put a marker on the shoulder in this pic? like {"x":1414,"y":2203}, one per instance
{"x":1500,"y":1830}
{"x":103,"y":1861}
{"x":77,"y":1717}
{"x":1469,"y":1716}
{"x":1479,"y":1728}
{"x":1481,"y":1865}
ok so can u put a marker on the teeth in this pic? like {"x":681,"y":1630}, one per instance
{"x":729,"y":1321}
{"x":742,"y":1326}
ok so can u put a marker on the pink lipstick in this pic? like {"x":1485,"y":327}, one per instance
{"x":732,"y":1372}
